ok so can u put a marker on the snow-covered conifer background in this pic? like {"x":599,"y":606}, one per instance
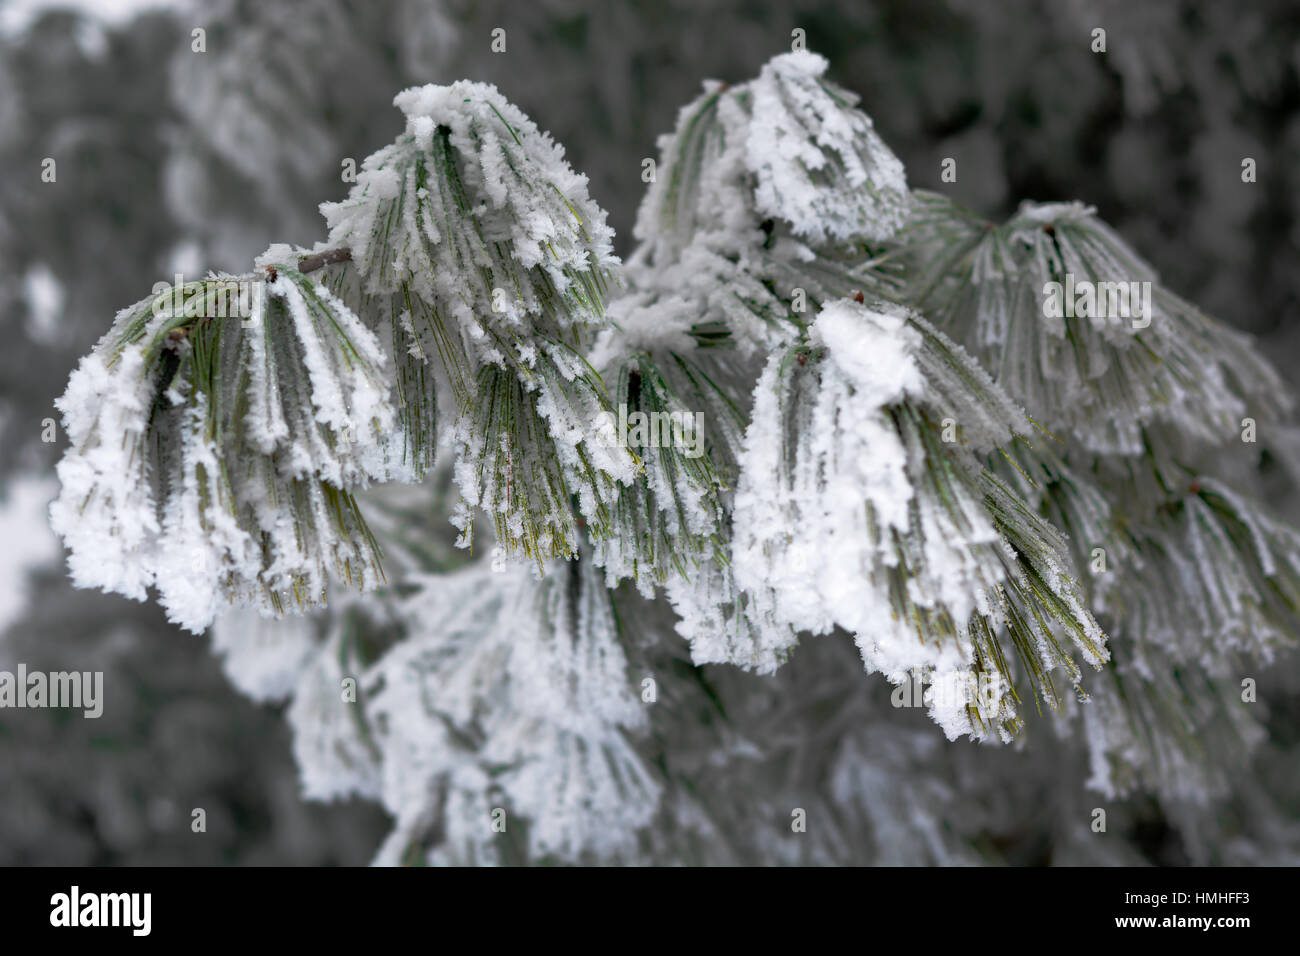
{"x":173,"y":161}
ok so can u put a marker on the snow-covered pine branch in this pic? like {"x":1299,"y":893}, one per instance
{"x":1098,"y":380}
{"x":1144,"y":406}
{"x":477,"y":244}
{"x":213,"y":456}
{"x":899,"y":446}
{"x":853,"y":512}
{"x":735,"y":259}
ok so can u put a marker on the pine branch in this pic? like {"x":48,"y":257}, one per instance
{"x":896,"y":442}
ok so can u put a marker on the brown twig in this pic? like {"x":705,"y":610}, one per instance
{"x":322,"y":259}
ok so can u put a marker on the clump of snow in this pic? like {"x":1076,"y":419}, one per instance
{"x":851,"y":512}
{"x":818,"y":162}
